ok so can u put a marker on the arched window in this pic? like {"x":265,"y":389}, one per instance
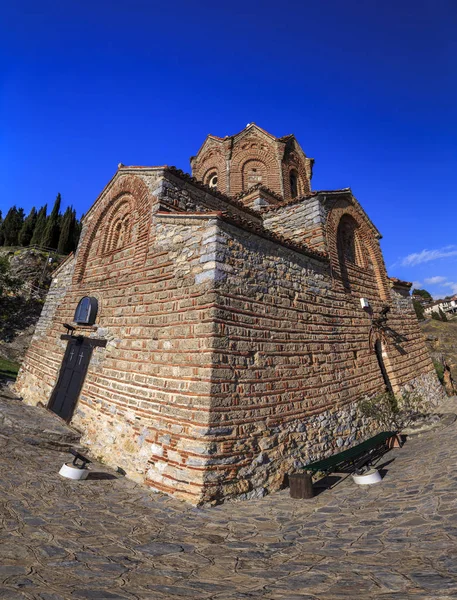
{"x":86,"y":311}
{"x":212,"y":179}
{"x":293,"y":180}
{"x":348,"y":244}
{"x":349,"y":249}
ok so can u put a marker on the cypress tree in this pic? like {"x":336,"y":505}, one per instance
{"x":25,"y":235}
{"x":77,"y":231}
{"x":443,"y":315}
{"x":51,"y":233}
{"x":66,"y":238}
{"x":40,"y":227}
{"x":419,"y":310}
{"x":12,"y":225}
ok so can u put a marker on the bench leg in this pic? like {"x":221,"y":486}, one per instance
{"x":301,"y":485}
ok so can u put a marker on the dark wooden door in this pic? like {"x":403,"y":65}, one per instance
{"x":71,"y":378}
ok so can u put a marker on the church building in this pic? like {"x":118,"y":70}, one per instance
{"x":213,"y":333}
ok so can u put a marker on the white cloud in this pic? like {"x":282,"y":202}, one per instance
{"x":417,"y":258}
{"x":416,"y":285}
{"x":452,"y":285}
{"x":435,"y":280}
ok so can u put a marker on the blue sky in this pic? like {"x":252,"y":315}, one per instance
{"x":368,"y":88}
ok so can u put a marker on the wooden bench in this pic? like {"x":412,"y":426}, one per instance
{"x":78,"y":456}
{"x":350,"y":460}
{"x":354,"y":458}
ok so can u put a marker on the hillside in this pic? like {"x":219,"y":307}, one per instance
{"x":19,"y":313}
{"x":441,"y":339}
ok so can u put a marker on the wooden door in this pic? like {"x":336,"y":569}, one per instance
{"x":71,"y":378}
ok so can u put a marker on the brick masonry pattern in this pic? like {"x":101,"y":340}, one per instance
{"x":231,"y":359}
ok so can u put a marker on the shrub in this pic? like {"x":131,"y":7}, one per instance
{"x":443,"y":315}
{"x":393,"y":412}
{"x":8,"y":283}
{"x":439,"y":368}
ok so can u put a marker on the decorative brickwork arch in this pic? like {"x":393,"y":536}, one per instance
{"x":244,"y":159}
{"x":117,"y":225}
{"x":122,"y":212}
{"x":343,"y":218}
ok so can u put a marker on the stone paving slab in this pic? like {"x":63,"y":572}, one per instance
{"x":111,"y":538}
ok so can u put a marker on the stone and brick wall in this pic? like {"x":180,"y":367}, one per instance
{"x":301,"y":220}
{"x":145,"y":401}
{"x":232,"y":356}
{"x":292,"y":357}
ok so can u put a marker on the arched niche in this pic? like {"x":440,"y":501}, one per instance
{"x":354,"y":250}
{"x":254,"y":172}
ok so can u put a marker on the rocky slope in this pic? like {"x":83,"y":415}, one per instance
{"x":441,"y":340}
{"x":19,"y":313}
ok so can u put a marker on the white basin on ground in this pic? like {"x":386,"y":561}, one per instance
{"x":369,"y":477}
{"x":71,"y":472}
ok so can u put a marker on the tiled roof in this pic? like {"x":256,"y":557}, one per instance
{"x":213,"y":191}
{"x":259,"y":186}
{"x":400,"y":282}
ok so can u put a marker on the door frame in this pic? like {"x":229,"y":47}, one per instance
{"x":77,"y":341}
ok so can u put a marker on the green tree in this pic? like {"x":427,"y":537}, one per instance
{"x":28,"y":227}
{"x":77,"y":232}
{"x":67,"y":232}
{"x":436,"y":315}
{"x":40,"y":226}
{"x":443,"y":315}
{"x":419,"y":310}
{"x":422,"y":293}
{"x":12,"y":225}
{"x":52,"y":231}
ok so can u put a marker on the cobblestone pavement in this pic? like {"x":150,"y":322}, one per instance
{"x":111,"y":538}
